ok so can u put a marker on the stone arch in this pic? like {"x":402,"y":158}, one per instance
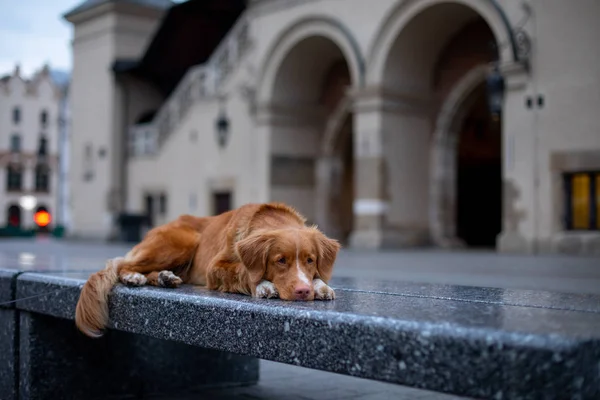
{"x":303,"y":91}
{"x":302,"y":29}
{"x":399,"y":29}
{"x":442,"y":192}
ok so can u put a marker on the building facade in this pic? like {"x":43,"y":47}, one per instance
{"x":391,"y":123}
{"x":30,"y":112}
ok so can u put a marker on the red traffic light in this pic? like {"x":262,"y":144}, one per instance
{"x":42,"y":218}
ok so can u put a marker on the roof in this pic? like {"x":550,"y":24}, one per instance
{"x":89,"y":4}
{"x":189,"y":33}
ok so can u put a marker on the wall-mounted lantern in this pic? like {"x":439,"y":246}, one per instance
{"x":222,"y":129}
{"x":495,"y":93}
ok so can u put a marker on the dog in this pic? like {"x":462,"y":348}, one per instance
{"x":262,"y":250}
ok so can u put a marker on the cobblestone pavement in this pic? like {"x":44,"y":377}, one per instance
{"x":280,"y":381}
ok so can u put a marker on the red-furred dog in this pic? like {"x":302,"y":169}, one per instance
{"x":262,"y":250}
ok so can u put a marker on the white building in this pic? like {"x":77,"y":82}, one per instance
{"x":29,"y":147}
{"x":390,"y":123}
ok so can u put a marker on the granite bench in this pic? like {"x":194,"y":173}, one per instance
{"x":476,"y":342}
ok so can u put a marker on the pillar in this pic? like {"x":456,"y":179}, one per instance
{"x":391,"y":150}
{"x":329,"y":171}
{"x":519,"y":184}
{"x":442,"y":211}
{"x":8,"y":336}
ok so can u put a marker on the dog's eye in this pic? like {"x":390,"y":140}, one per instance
{"x":310,"y":260}
{"x":281,"y":260}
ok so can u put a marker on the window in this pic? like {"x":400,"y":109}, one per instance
{"x":88,"y":168}
{"x":42,"y":178}
{"x":221,"y":202}
{"x":149,"y":208}
{"x":43,"y":146}
{"x":162,"y":204}
{"x":14,"y":215}
{"x":582,"y":200}
{"x":44,"y":119}
{"x":15,"y":143}
{"x":149,"y":143}
{"x":14,"y":179}
{"x":142,"y":140}
{"x":16,"y":115}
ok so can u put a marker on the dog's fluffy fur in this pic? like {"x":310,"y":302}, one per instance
{"x":261,"y":250}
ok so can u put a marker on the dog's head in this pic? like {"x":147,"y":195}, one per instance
{"x":290,"y":259}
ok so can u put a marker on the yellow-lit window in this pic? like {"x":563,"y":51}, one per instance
{"x":598,"y":201}
{"x":582,"y":200}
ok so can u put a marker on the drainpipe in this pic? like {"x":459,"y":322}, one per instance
{"x":125,"y":144}
{"x":121,"y":162}
{"x":536,"y":150}
{"x":62,"y":150}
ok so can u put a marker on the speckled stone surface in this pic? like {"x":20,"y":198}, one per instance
{"x":8,"y":321}
{"x":526,"y":298}
{"x":6,"y":286}
{"x":53,"y":360}
{"x":437,"y":338}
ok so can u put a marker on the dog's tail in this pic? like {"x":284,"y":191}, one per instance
{"x":91,"y":314}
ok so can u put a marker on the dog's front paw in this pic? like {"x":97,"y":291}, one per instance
{"x":267,"y":290}
{"x":133,"y":279}
{"x":322,"y":290}
{"x":168,"y":279}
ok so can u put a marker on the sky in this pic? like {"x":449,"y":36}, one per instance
{"x":33,"y":33}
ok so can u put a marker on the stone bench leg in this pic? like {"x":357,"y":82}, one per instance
{"x":8,"y":371}
{"x":58,"y":362}
{"x":8,"y":336}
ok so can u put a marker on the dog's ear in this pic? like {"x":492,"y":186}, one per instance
{"x":328,"y":250}
{"x":254,"y":251}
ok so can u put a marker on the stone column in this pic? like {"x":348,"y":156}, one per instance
{"x":442,"y":187}
{"x":370,"y":204}
{"x":391,"y":142}
{"x":518,"y":158}
{"x":328,"y":182}
{"x":8,"y":336}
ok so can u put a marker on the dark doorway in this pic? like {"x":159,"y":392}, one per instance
{"x":149,"y":205}
{"x":345,"y":200}
{"x":14,"y":216}
{"x":221,"y":202}
{"x":341,"y":199}
{"x":479,"y":176}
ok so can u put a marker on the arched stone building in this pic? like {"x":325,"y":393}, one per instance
{"x":395,"y":123}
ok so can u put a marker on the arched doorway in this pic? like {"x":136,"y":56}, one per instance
{"x":479,"y":175}
{"x":14,"y":216}
{"x":304,"y":89}
{"x":337,"y":154}
{"x":466,"y":194}
{"x":438,"y":56}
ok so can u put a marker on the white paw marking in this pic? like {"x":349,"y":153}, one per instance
{"x":168,"y":279}
{"x":322,"y":291}
{"x":266,"y":289}
{"x":133,"y":279}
